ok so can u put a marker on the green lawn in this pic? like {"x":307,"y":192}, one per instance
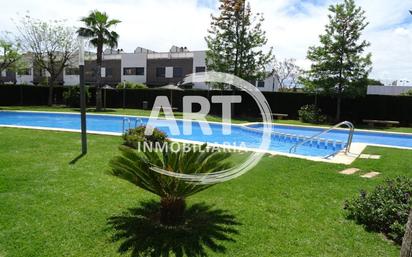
{"x":140,"y":112}
{"x":285,"y":206}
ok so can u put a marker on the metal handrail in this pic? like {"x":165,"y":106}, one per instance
{"x":348,"y":143}
{"x":136,"y":121}
{"x":129,"y":122}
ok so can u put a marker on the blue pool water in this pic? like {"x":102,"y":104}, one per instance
{"x":249,"y":136}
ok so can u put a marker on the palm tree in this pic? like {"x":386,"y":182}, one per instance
{"x":97,"y":29}
{"x":135,"y":167}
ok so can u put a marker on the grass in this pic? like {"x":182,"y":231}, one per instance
{"x":286,"y":206}
{"x":140,"y":112}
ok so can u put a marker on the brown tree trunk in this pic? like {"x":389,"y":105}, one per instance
{"x":51,"y":81}
{"x":98,"y":88}
{"x":98,"y":98}
{"x":50,"y":100}
{"x":172,"y":210}
{"x":338,"y":107}
{"x":406,"y":250}
{"x":99,"y":78}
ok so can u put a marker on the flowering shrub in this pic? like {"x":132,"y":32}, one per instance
{"x":135,"y":136}
{"x":311,"y":114}
{"x":385,"y":209}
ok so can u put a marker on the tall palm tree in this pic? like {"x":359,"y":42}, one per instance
{"x":97,"y":29}
{"x":135,"y":167}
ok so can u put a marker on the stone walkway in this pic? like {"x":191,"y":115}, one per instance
{"x":369,"y":156}
{"x":349,"y":171}
{"x":352,"y":171}
{"x":370,"y":174}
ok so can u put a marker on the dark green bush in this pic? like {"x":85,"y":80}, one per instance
{"x":130,"y":85}
{"x":311,"y":114}
{"x":134,"y":136}
{"x":72,"y":96}
{"x":407,"y":93}
{"x":385,"y":209}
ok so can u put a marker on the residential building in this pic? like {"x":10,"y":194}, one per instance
{"x":388,"y":90}
{"x":142,"y":66}
{"x":402,"y":83}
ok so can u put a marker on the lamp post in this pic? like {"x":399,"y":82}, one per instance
{"x":82,"y":97}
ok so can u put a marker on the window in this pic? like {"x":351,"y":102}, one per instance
{"x":140,"y":71}
{"x":72,"y":71}
{"x":261,"y":83}
{"x":24,"y":71}
{"x":169,"y":72}
{"x":109,"y":72}
{"x":133,"y":71}
{"x":160,"y":72}
{"x":200,"y":69}
{"x":177,"y":72}
{"x":90,"y":72}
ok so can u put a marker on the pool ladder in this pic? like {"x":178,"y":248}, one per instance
{"x":317,"y":138}
{"x":294,"y":138}
{"x":127,"y":123}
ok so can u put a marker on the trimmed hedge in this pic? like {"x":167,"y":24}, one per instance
{"x":378,"y":107}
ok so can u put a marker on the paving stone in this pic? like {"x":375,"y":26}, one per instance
{"x":364,"y":156}
{"x":349,"y":171}
{"x":370,"y":174}
{"x":375,"y":157}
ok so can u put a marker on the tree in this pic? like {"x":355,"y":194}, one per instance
{"x":286,"y":71}
{"x":51,"y":46}
{"x":339,"y":65}
{"x":406,"y":250}
{"x":10,"y":56}
{"x":97,"y":29}
{"x":235,"y":40}
{"x":135,"y":167}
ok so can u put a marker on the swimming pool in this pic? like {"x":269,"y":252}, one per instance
{"x":244,"y":136}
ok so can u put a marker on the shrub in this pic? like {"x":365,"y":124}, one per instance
{"x":385,"y":209}
{"x":130,"y":85}
{"x":72,"y":96}
{"x":134,"y":136}
{"x":137,"y":168}
{"x":311,"y":114}
{"x":407,"y":93}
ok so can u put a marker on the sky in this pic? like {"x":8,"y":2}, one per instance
{"x":291,"y":25}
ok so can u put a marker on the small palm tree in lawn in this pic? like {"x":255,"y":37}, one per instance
{"x":135,"y":167}
{"x":98,"y":30}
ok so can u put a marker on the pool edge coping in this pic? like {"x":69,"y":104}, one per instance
{"x":215,"y":122}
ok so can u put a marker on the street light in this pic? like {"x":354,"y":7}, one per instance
{"x":82,"y":97}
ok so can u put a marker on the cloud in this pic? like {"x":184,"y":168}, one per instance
{"x":291,"y":25}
